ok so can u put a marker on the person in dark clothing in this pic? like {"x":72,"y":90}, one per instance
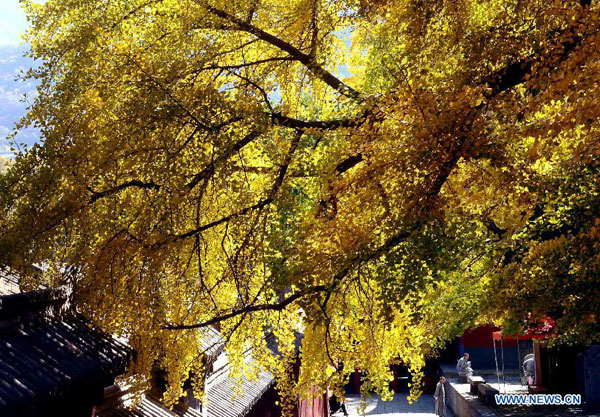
{"x":335,"y":404}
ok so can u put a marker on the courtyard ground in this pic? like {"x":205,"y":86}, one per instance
{"x":399,"y":406}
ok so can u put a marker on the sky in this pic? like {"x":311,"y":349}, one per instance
{"x":12,"y":24}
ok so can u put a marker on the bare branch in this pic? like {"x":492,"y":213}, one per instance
{"x":278,"y":120}
{"x":257,"y":206}
{"x":348,"y":163}
{"x":256,"y":86}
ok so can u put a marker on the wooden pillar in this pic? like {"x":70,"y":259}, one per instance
{"x":356,"y":376}
{"x":395,"y":381}
{"x":539,"y":379}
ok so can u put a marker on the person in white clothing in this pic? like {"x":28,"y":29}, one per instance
{"x":463,"y":367}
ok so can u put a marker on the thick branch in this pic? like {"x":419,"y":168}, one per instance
{"x":494,"y":228}
{"x":251,"y":308}
{"x":129,"y":184}
{"x":294,"y":52}
{"x":280,"y":120}
{"x":348,"y":163}
{"x":246,"y":64}
{"x":518,"y":72}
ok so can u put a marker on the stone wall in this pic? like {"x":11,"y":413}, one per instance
{"x":463,"y":404}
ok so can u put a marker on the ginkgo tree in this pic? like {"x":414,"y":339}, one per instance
{"x":204,"y":162}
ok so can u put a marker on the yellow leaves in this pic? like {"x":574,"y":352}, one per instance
{"x":449,"y":156}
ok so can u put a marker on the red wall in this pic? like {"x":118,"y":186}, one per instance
{"x":482,"y":337}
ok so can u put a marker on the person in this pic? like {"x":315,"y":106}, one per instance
{"x":343,"y":408}
{"x":440,"y":398}
{"x":529,"y":368}
{"x":463,"y":367}
{"x":336,"y":404}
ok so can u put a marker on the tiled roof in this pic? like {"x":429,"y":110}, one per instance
{"x":211,"y":342}
{"x":9,"y":282}
{"x":148,"y":407}
{"x":221,"y":391}
{"x":47,"y":355}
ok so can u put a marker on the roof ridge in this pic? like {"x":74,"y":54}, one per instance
{"x":32,"y":304}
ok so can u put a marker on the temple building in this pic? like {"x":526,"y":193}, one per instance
{"x":53,"y":361}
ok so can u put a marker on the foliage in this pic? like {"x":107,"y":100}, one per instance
{"x":204,"y":162}
{"x":4,"y":164}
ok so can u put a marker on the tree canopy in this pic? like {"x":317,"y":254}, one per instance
{"x":206,"y":162}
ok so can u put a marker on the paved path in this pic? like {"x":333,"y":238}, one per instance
{"x":399,"y":406}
